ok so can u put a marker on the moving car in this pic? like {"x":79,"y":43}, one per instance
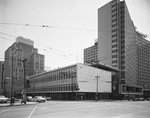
{"x":38,"y":99}
{"x":3,"y":99}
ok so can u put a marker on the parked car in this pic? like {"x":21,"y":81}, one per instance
{"x":3,"y":99}
{"x":139,"y":99}
{"x":38,"y":99}
{"x":29,"y":98}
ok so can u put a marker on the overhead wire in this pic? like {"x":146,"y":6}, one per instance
{"x":7,"y":34}
{"x":52,"y":51}
{"x":41,"y":45}
{"x":6,"y":39}
{"x":48,"y":26}
{"x":51,"y":26}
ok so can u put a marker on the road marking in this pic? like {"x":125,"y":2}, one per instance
{"x":32,"y":111}
{"x":6,"y":110}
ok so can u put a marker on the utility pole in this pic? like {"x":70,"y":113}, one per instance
{"x":24,"y":93}
{"x":11,"y":87}
{"x":11,"y":91}
{"x":97,"y":77}
{"x":71,"y":83}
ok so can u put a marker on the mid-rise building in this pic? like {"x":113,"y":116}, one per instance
{"x":76,"y":81}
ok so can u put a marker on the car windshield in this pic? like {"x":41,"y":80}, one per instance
{"x":37,"y":97}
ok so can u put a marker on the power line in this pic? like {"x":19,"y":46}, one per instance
{"x":38,"y":44}
{"x":7,"y":34}
{"x":6,"y":39}
{"x":58,"y":51}
{"x":48,"y":26}
{"x":53,"y":51}
{"x":74,"y":58}
{"x":49,"y":48}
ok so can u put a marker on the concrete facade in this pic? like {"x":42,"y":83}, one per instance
{"x":70,"y":82}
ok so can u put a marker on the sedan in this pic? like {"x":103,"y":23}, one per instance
{"x":3,"y":99}
{"x":38,"y":99}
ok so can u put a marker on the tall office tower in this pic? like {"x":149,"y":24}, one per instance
{"x":91,"y":54}
{"x":1,"y":76}
{"x":117,"y":41}
{"x":17,"y":55}
{"x":22,"y":58}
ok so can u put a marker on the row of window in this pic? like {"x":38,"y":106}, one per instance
{"x":54,"y":88}
{"x":55,"y":77}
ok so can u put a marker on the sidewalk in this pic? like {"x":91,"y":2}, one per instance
{"x":17,"y":104}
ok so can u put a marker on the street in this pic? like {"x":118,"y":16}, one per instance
{"x":79,"y":109}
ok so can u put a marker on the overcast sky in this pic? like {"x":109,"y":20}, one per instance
{"x":74,"y":26}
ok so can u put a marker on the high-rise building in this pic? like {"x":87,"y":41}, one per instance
{"x":91,"y":54}
{"x":20,"y":50}
{"x":1,"y":76}
{"x":123,"y":47}
{"x":118,"y":37}
{"x":15,"y":56}
{"x":143,"y":52}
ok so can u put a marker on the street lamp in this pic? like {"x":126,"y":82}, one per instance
{"x":11,"y":93}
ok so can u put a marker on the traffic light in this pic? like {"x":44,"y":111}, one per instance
{"x":28,"y":83}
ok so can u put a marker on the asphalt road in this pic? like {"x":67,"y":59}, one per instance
{"x":79,"y":109}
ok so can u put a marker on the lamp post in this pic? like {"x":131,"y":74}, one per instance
{"x":11,"y":93}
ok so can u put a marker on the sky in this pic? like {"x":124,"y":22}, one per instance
{"x":72,"y":26}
